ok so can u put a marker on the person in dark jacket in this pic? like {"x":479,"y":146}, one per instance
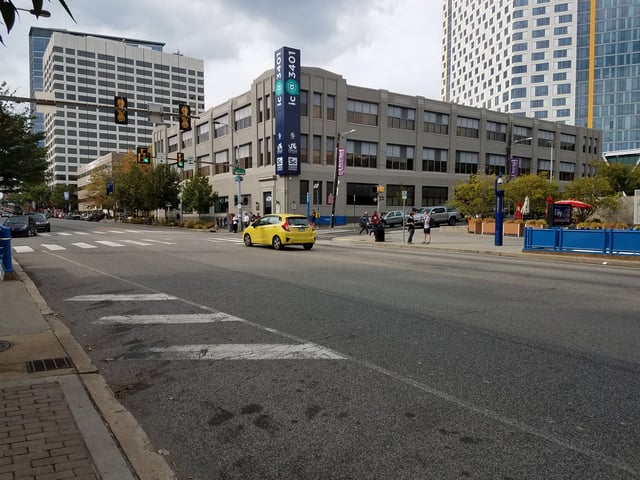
{"x":411,"y":226}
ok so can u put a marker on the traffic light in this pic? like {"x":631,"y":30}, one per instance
{"x":121,"y":115}
{"x":180,"y":160}
{"x":143,"y":155}
{"x":184,"y":117}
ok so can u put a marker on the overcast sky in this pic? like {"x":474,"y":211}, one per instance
{"x":385,"y":44}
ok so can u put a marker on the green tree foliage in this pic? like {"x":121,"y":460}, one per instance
{"x":96,"y":191}
{"x":165,"y":187}
{"x":9,"y":12}
{"x":198,"y":195}
{"x":132,"y":186}
{"x":22,"y":161}
{"x":596,"y":191}
{"x":38,"y":195}
{"x":537,"y":187}
{"x":622,"y":177}
{"x":57,"y":197}
{"x":475,"y":197}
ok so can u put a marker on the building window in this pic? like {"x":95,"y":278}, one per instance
{"x":541,"y":114}
{"x":395,"y":198}
{"x":242,"y":118}
{"x":541,"y":91}
{"x":434,"y":196}
{"x":536,"y":103}
{"x":400,"y":117}
{"x":545,"y":138}
{"x":304,"y":103}
{"x":267,"y":102}
{"x":436,"y":123}
{"x":304,"y":148}
{"x":317,"y":105}
{"x":244,"y":159}
{"x":467,"y":127}
{"x":567,"y":171}
{"x":330,"y":150}
{"x":399,"y":157}
{"x":496,"y":132}
{"x":363,"y":113}
{"x":565,"y":64}
{"x":467,"y":162}
{"x":362,"y":154}
{"x":361,"y":194}
{"x":564,"y":88}
{"x":558,"y":102}
{"x":260,"y":109}
{"x":221,"y":126}
{"x":434,"y":160}
{"x":568,"y":142}
{"x":202,"y":133}
{"x":331,"y":107}
{"x":261,"y":152}
{"x":172,"y":144}
{"x":187,"y":139}
{"x":317,"y":147}
{"x":519,"y":92}
{"x":496,"y":164}
{"x":304,"y":189}
{"x":563,"y":112}
{"x":221,"y":161}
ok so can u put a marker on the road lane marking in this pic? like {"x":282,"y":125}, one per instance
{"x":65,"y":234}
{"x":51,"y":246}
{"x":117,"y":231}
{"x":218,"y":240}
{"x":133,"y":297}
{"x":135,"y":231}
{"x":136,"y":242}
{"x":109,"y":244}
{"x":158,"y":241}
{"x":81,"y":233}
{"x":239,"y":351}
{"x":44,"y":234}
{"x":84,"y":245}
{"x":22,"y":249}
{"x":170,"y":319}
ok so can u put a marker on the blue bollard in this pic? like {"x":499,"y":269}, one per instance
{"x":5,"y":249}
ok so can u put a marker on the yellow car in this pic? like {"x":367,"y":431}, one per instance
{"x":280,"y":230}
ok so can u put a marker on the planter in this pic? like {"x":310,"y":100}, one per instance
{"x":513,"y":229}
{"x":475,"y":227}
{"x":488,"y":228}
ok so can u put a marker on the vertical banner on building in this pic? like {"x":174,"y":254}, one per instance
{"x":514,"y":168}
{"x":342,"y":157}
{"x":287,"y":111}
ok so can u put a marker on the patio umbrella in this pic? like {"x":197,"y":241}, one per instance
{"x":525,"y":206}
{"x":575,"y":203}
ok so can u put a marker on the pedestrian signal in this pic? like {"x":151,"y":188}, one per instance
{"x":184,"y":117}
{"x":180,"y":160}
{"x":121,"y":115}
{"x":143,"y":155}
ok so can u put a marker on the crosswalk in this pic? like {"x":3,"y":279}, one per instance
{"x":90,"y":245}
{"x":286,"y":347}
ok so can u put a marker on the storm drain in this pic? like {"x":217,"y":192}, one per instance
{"x":4,"y":345}
{"x":49,"y":364}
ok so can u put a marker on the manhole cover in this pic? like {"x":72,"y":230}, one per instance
{"x":4,"y":345}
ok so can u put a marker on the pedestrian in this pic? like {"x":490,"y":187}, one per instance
{"x":363,"y":222}
{"x":375,"y":222}
{"x":245,"y":220}
{"x":178,"y":216}
{"x":427,"y":228}
{"x":411,"y":226}
{"x":234,"y":223}
{"x":313,"y":216}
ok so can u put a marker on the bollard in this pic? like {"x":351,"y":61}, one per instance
{"x":5,"y":253}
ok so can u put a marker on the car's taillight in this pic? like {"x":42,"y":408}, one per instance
{"x":285,"y":226}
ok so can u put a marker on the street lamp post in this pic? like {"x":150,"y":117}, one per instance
{"x":551,"y":144}
{"x":335,"y":177}
{"x":37,"y":13}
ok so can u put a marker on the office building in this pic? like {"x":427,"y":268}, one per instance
{"x":399,"y":143}
{"x":91,"y":70}
{"x":571,"y":61}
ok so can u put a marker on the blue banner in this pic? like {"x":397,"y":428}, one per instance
{"x":514,"y":168}
{"x":287,"y":111}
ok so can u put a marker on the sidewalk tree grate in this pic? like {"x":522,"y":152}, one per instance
{"x":4,"y":345}
{"x":49,"y":364}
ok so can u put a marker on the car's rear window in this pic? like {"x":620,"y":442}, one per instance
{"x":298,"y":221}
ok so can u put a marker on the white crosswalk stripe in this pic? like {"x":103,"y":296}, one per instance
{"x":136,"y":242}
{"x":117,"y":231}
{"x":109,"y":244}
{"x":158,"y":241}
{"x":170,"y":319}
{"x":22,"y":249}
{"x":81,"y":233}
{"x":51,"y":246}
{"x":84,"y":245}
{"x":64,"y":234}
{"x":238,"y":351}
{"x":137,"y":297}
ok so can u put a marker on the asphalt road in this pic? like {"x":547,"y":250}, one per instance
{"x":352,"y":361}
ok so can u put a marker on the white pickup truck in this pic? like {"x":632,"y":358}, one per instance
{"x":439,"y":215}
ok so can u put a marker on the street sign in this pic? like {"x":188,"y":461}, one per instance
{"x":239,"y":171}
{"x":162,"y":158}
{"x":404,"y":194}
{"x":238,"y":178}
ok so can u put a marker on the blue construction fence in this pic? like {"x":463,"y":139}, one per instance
{"x":594,"y":241}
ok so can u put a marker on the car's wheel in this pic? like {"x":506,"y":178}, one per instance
{"x":247,"y":240}
{"x":308,"y":246}
{"x":452,"y":221}
{"x":277,"y":243}
{"x":48,"y":229}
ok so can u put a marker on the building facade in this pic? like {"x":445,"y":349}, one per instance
{"x":399,"y":143}
{"x":571,"y":61}
{"x":91,"y":70}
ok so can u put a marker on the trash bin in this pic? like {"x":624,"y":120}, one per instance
{"x":378,"y":233}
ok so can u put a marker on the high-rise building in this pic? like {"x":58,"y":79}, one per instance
{"x":91,"y":70}
{"x":571,"y":61}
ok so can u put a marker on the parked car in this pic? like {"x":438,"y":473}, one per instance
{"x":393,"y":218}
{"x":280,"y":230}
{"x":22,"y":225}
{"x":93,"y":217}
{"x":42,"y":222}
{"x":440,"y":214}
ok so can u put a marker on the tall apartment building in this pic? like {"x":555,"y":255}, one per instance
{"x":572,"y":61}
{"x":92,"y":69}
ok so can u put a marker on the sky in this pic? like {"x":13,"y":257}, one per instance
{"x":392,"y":45}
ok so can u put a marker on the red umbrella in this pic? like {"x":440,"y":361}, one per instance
{"x":575,"y":203}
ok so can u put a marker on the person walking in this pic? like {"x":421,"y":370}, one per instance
{"x":363,"y":222}
{"x":427,"y":229}
{"x":375,"y":222}
{"x":411,"y":226}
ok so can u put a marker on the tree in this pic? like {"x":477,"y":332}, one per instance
{"x":96,"y":191}
{"x":165,"y":187}
{"x":596,"y":191}
{"x":132,"y":185}
{"x":39,"y":195}
{"x":622,"y":177}
{"x":537,"y":187}
{"x":198,"y":195}
{"x":22,"y":161}
{"x":58,"y":197}
{"x":475,"y":197}
{"x":9,"y":12}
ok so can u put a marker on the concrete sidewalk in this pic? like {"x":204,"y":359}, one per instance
{"x":58,"y":418}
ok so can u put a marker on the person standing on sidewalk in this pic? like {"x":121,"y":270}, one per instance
{"x":375,"y":221}
{"x":427,"y":229}
{"x":411,"y":226}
